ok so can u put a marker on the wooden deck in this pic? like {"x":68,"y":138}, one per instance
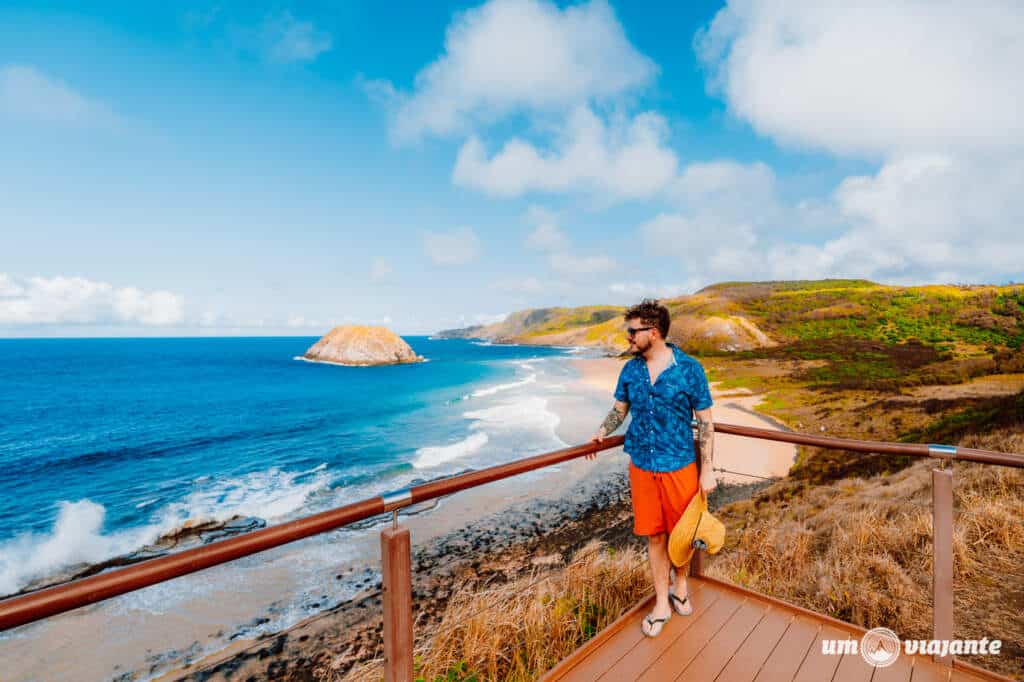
{"x":735,"y":634}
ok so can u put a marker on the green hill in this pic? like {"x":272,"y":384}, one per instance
{"x":804,"y":318}
{"x":942,"y":316}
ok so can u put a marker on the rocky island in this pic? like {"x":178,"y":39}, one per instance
{"x":361,"y":346}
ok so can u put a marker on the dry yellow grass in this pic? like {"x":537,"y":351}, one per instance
{"x":860,"y":550}
{"x":518,"y":630}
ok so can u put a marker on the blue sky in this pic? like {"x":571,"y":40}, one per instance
{"x":252,"y":168}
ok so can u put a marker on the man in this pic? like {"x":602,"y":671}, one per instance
{"x":663,"y":387}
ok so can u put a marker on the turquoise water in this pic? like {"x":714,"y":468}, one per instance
{"x":108,"y":444}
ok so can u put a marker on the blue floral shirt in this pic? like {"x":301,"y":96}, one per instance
{"x":660,"y":436}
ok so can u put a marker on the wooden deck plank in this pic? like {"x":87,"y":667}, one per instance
{"x":685,"y":648}
{"x":897,"y":672}
{"x":853,"y":668}
{"x":648,"y":649}
{"x":818,"y":666}
{"x":927,"y":671}
{"x":718,"y":652}
{"x":597,"y":660}
{"x":736,"y":635}
{"x":786,"y":658}
{"x":752,"y":654}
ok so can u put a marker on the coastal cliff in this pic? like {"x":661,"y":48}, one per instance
{"x":362,"y":346}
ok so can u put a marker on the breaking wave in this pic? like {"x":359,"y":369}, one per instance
{"x":434,"y":455}
{"x":77,"y":539}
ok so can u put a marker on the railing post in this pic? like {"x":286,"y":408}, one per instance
{"x":697,"y":563}
{"x":697,"y":558}
{"x":396,"y":568}
{"x":942,"y":559}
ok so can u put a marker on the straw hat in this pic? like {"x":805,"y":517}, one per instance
{"x":696,"y":528}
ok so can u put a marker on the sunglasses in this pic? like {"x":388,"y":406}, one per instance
{"x":632,"y":331}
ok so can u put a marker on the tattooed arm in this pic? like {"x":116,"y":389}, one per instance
{"x":706,"y":438}
{"x":614,"y":420}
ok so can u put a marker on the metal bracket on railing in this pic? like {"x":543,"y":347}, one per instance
{"x":396,"y":498}
{"x":943,"y":452}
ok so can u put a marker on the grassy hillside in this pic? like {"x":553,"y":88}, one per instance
{"x":963,"y":319}
{"x":596,"y":325}
{"x":938,"y":322}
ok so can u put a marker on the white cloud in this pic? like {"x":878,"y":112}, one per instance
{"x":626,"y":159}
{"x":934,"y":218}
{"x":483,"y":318}
{"x":74,"y":300}
{"x":723,"y":207}
{"x":9,"y":288}
{"x":929,"y":90}
{"x":524,"y":285}
{"x":726,"y":184}
{"x":873,"y":79}
{"x":704,"y":242}
{"x":926,"y":215}
{"x":508,"y":56}
{"x":381,"y":269}
{"x":640,"y":290}
{"x":462,"y":321}
{"x":546,"y":234}
{"x":570,"y":264}
{"x":27,"y":93}
{"x":459,"y":247}
{"x":287,"y":39}
{"x":302,"y":322}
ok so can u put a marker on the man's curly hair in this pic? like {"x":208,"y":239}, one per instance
{"x":651,"y":313}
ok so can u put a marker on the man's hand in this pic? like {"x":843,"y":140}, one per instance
{"x":708,"y":481}
{"x":706,"y":438}
{"x":598,"y":437}
{"x":615,"y":417}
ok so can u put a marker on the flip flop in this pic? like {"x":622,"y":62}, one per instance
{"x":654,"y":625}
{"x":680,"y":606}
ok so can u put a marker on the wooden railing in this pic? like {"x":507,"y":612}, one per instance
{"x":396,"y":551}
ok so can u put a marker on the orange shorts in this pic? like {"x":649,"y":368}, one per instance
{"x":659,"y":498}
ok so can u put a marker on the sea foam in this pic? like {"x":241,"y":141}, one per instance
{"x":434,"y":455}
{"x":491,"y":390}
{"x":77,"y":537}
{"x":527,"y":413}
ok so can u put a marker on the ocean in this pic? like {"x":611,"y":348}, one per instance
{"x":109,"y":445}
